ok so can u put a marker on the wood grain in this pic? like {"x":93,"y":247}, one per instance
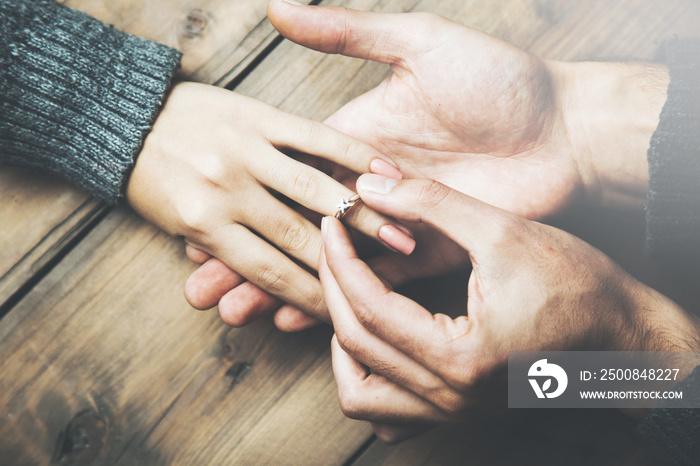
{"x":215,"y":36}
{"x":35,"y":219}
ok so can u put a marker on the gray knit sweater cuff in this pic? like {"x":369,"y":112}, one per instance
{"x":673,"y":200}
{"x":78,"y":96}
{"x":674,"y":431}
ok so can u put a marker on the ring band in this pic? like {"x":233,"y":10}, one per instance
{"x":345,"y":205}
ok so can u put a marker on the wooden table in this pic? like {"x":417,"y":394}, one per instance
{"x":103,"y":361}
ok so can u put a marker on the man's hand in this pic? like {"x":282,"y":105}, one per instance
{"x":489,"y":119}
{"x":533,"y":287}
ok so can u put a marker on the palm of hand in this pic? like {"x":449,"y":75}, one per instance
{"x":495,"y":135}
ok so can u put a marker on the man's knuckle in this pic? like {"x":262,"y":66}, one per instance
{"x":346,"y":339}
{"x":450,"y":401}
{"x":365,"y":313}
{"x":457,"y":379}
{"x":387,"y":435}
{"x":427,"y":24}
{"x":431,"y":193}
{"x":351,"y":402}
{"x":462,"y":375}
{"x":504,"y":228}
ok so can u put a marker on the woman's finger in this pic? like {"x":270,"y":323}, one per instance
{"x":267,"y":268}
{"x":319,"y":192}
{"x":284,"y":227}
{"x":315,"y":138}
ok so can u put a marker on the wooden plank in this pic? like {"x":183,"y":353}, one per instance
{"x":22,"y":231}
{"x":215,"y":36}
{"x":41,"y":214}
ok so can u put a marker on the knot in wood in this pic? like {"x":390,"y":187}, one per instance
{"x":195,"y":23}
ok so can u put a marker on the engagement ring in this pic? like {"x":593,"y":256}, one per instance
{"x":345,"y":205}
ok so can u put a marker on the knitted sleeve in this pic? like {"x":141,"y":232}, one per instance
{"x":673,"y":231}
{"x":673,"y":199}
{"x":78,"y":96}
{"x":673,"y":431}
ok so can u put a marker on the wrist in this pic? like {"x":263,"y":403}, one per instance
{"x":668,"y":336}
{"x":156,"y":182}
{"x":609,"y":113}
{"x":663,"y":326}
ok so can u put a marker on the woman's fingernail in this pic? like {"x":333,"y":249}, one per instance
{"x":292,"y":2}
{"x":324,"y":228}
{"x":382,"y":167}
{"x":390,"y":248}
{"x":397,"y":239}
{"x":377,"y":184}
{"x":405,"y":231}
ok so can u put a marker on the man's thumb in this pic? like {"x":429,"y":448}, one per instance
{"x":382,"y":37}
{"x":469,"y":222}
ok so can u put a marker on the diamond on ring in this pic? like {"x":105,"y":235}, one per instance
{"x":345,"y":205}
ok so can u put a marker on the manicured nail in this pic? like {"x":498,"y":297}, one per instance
{"x":405,"y":231}
{"x":397,"y":239}
{"x":382,"y":167}
{"x":292,"y":2}
{"x":324,"y":228}
{"x":377,"y":184}
{"x":390,"y":248}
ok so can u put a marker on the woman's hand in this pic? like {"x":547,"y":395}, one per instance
{"x":208,"y":170}
{"x":533,"y":287}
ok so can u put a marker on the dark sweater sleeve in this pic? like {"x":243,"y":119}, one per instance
{"x":674,"y":431}
{"x":673,"y":199}
{"x":673,"y":232}
{"x":78,"y":96}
